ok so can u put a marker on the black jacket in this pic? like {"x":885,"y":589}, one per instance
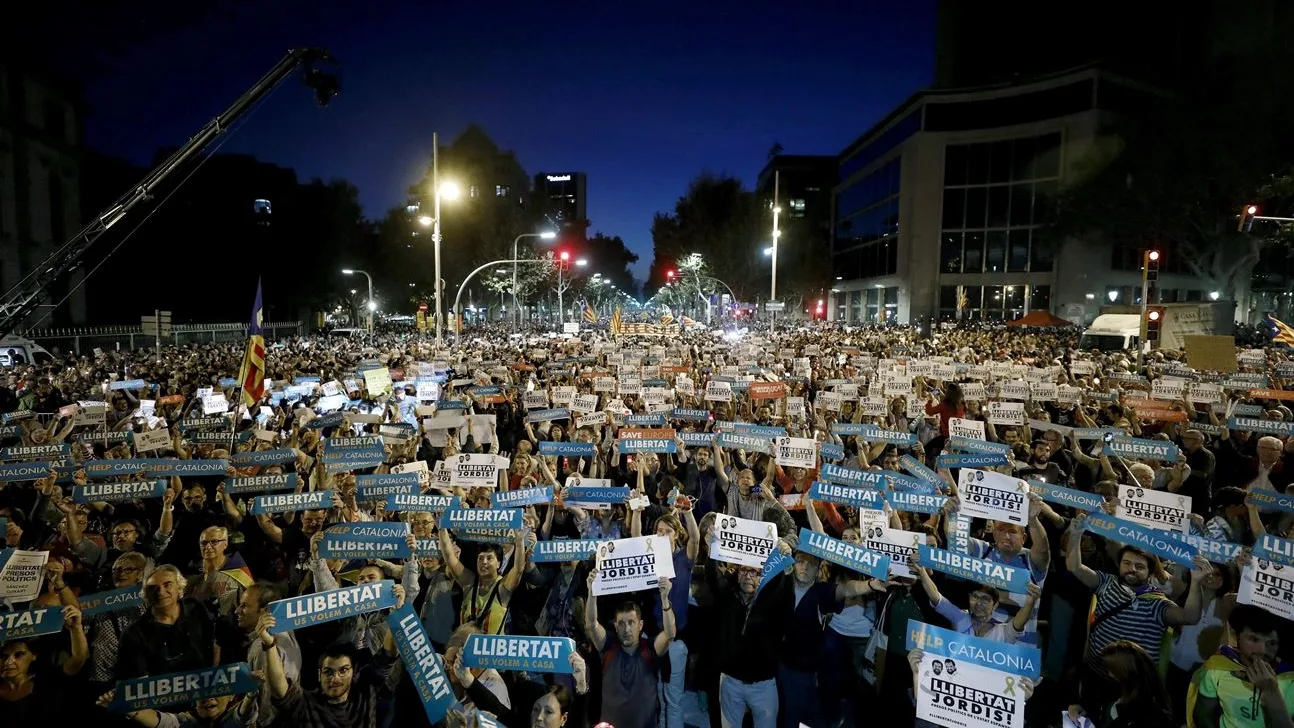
{"x":750,"y":635}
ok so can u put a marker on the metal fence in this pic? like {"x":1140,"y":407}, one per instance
{"x":86,"y":339}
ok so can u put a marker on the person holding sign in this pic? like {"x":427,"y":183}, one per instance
{"x":982,"y":602}
{"x":485,"y":593}
{"x":26,"y":698}
{"x":914,"y":661}
{"x":629,"y":662}
{"x":1129,"y":607}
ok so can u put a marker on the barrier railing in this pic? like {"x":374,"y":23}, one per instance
{"x":85,"y":339}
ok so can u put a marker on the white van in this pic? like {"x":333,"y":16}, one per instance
{"x":1112,"y":332}
{"x":18,"y":351}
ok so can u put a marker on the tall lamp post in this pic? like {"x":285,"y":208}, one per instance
{"x":370,"y":305}
{"x":563,"y":261}
{"x":516,"y":310}
{"x":448,"y":191}
{"x":772,"y":294}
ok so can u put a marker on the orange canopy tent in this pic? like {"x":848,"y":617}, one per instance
{"x":1040,"y":318}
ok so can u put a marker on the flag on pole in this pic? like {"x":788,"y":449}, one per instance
{"x":1279,"y":331}
{"x":615,"y":322}
{"x":251,"y":376}
{"x":667,"y":319}
{"x":590,"y":315}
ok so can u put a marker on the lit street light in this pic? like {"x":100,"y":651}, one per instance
{"x":372,"y":305}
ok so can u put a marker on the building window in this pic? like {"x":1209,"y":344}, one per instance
{"x":797,"y":205}
{"x":262,"y":207}
{"x":996,"y":197}
{"x":992,"y":303}
{"x":501,"y":190}
{"x":473,"y":192}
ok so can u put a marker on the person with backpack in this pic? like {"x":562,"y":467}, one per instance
{"x":630,"y":662}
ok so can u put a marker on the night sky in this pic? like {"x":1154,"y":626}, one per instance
{"x":640,"y":96}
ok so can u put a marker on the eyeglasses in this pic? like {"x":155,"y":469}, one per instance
{"x":123,"y":532}
{"x":125,"y":569}
{"x":212,"y":542}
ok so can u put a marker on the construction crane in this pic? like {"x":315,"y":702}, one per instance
{"x":33,"y":290}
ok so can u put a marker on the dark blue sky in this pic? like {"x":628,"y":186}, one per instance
{"x":640,"y":96}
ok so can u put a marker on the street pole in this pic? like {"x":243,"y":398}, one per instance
{"x":772,"y":295}
{"x":1145,"y":308}
{"x":459,"y":296}
{"x":561,"y":310}
{"x":369,"y":306}
{"x":516,"y":315}
{"x":435,"y":232}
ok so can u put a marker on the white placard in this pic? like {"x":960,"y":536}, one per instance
{"x":152,"y":440}
{"x":632,"y":564}
{"x":21,"y":577}
{"x":969,"y":429}
{"x":1006,"y":413}
{"x":797,"y":452}
{"x":997,"y":497}
{"x":475,"y":470}
{"x":1269,"y":585}
{"x":963,"y":694}
{"x":1155,"y":509}
{"x":743,"y":541}
{"x":900,"y":546}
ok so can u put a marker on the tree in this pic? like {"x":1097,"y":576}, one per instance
{"x":1175,"y":173}
{"x":719,"y":219}
{"x":608,"y":255}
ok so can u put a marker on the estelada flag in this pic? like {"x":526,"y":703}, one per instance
{"x":251,"y":376}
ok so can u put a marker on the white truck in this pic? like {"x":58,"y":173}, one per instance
{"x":1119,"y":327}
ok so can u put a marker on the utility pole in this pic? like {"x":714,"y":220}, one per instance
{"x":772,"y":294}
{"x":435,"y":233}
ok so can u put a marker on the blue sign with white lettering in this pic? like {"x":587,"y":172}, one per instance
{"x":1019,"y":659}
{"x":855,"y":558}
{"x":509,"y":652}
{"x":425,"y":667}
{"x":329,"y":606}
{"x":178,"y":688}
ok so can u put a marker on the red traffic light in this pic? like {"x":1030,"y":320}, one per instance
{"x":1153,"y":315}
{"x":1252,"y":209}
{"x":422,"y":307}
{"x":1152,"y":254}
{"x":566,"y":255}
{"x":669,"y":274}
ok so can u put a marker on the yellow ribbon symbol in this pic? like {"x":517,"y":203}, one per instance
{"x":1010,"y":687}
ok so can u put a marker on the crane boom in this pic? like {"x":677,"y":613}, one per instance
{"x":33,"y":290}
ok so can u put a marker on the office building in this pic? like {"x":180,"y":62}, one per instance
{"x":804,"y":185}
{"x":40,"y":208}
{"x":563,"y":199}
{"x":942,"y":207}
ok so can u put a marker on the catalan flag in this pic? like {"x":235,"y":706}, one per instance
{"x":667,"y":319}
{"x":590,"y":315}
{"x":251,"y":376}
{"x":616,"y":319}
{"x":1279,"y":331}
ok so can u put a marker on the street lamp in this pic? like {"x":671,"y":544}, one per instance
{"x":449,"y":191}
{"x":372,"y":306}
{"x":777,"y":233}
{"x":546,"y":235}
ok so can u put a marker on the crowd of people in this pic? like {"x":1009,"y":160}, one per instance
{"x":821,"y":527}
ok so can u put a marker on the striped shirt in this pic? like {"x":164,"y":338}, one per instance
{"x":1142,"y":622}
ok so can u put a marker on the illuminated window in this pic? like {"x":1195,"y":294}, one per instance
{"x":501,"y":190}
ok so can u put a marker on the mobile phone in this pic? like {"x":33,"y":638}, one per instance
{"x":1108,"y":437}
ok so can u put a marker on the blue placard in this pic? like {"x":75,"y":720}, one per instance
{"x":261,"y":483}
{"x":291,"y":502}
{"x":447,"y":405}
{"x":697,"y":439}
{"x":366,"y":540}
{"x":646,"y":444}
{"x":1016,"y":659}
{"x":377,"y":486}
{"x":856,"y":558}
{"x":1266,"y":427}
{"x":18,"y":416}
{"x":1136,"y":447}
{"x":481,"y":519}
{"x":418,"y":503}
{"x":36,"y":452}
{"x":113,"y":600}
{"x":568,"y":449}
{"x":749,"y":443}
{"x":358,"y":462}
{"x":831,"y":451}
{"x":918,"y":470}
{"x":508,"y":652}
{"x":1270,"y":500}
{"x":264,"y":457}
{"x":349,"y":453}
{"x":118,"y":492}
{"x":333,"y":444}
{"x":128,"y":384}
{"x":1062,"y":496}
{"x":776,"y":563}
{"x":690,"y":415}
{"x":10,"y":431}
{"x":978,"y":571}
{"x":177,"y":688}
{"x":30,"y":623}
{"x":872,"y":433}
{"x":156,"y":467}
{"x":521,"y":497}
{"x":853,"y":476}
{"x":559,"y":550}
{"x":847,"y":495}
{"x":328,"y":606}
{"x":1219,"y":552}
{"x":765,"y":431}
{"x":613,"y":495}
{"x":650,"y":419}
{"x":548,"y":415}
{"x":903,"y":500}
{"x":425,"y":667}
{"x":1095,"y":433}
{"x":985,"y":460}
{"x":1271,"y":548}
{"x":968,"y":444}
{"x":322,"y":422}
{"x":1158,"y":543}
{"x":20,"y":472}
{"x":306,"y":380}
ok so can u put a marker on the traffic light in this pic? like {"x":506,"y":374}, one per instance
{"x":670,"y":274}
{"x":1151,"y":262}
{"x":1247,"y":218}
{"x":822,"y":309}
{"x":1154,"y":317}
{"x":564,"y":260}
